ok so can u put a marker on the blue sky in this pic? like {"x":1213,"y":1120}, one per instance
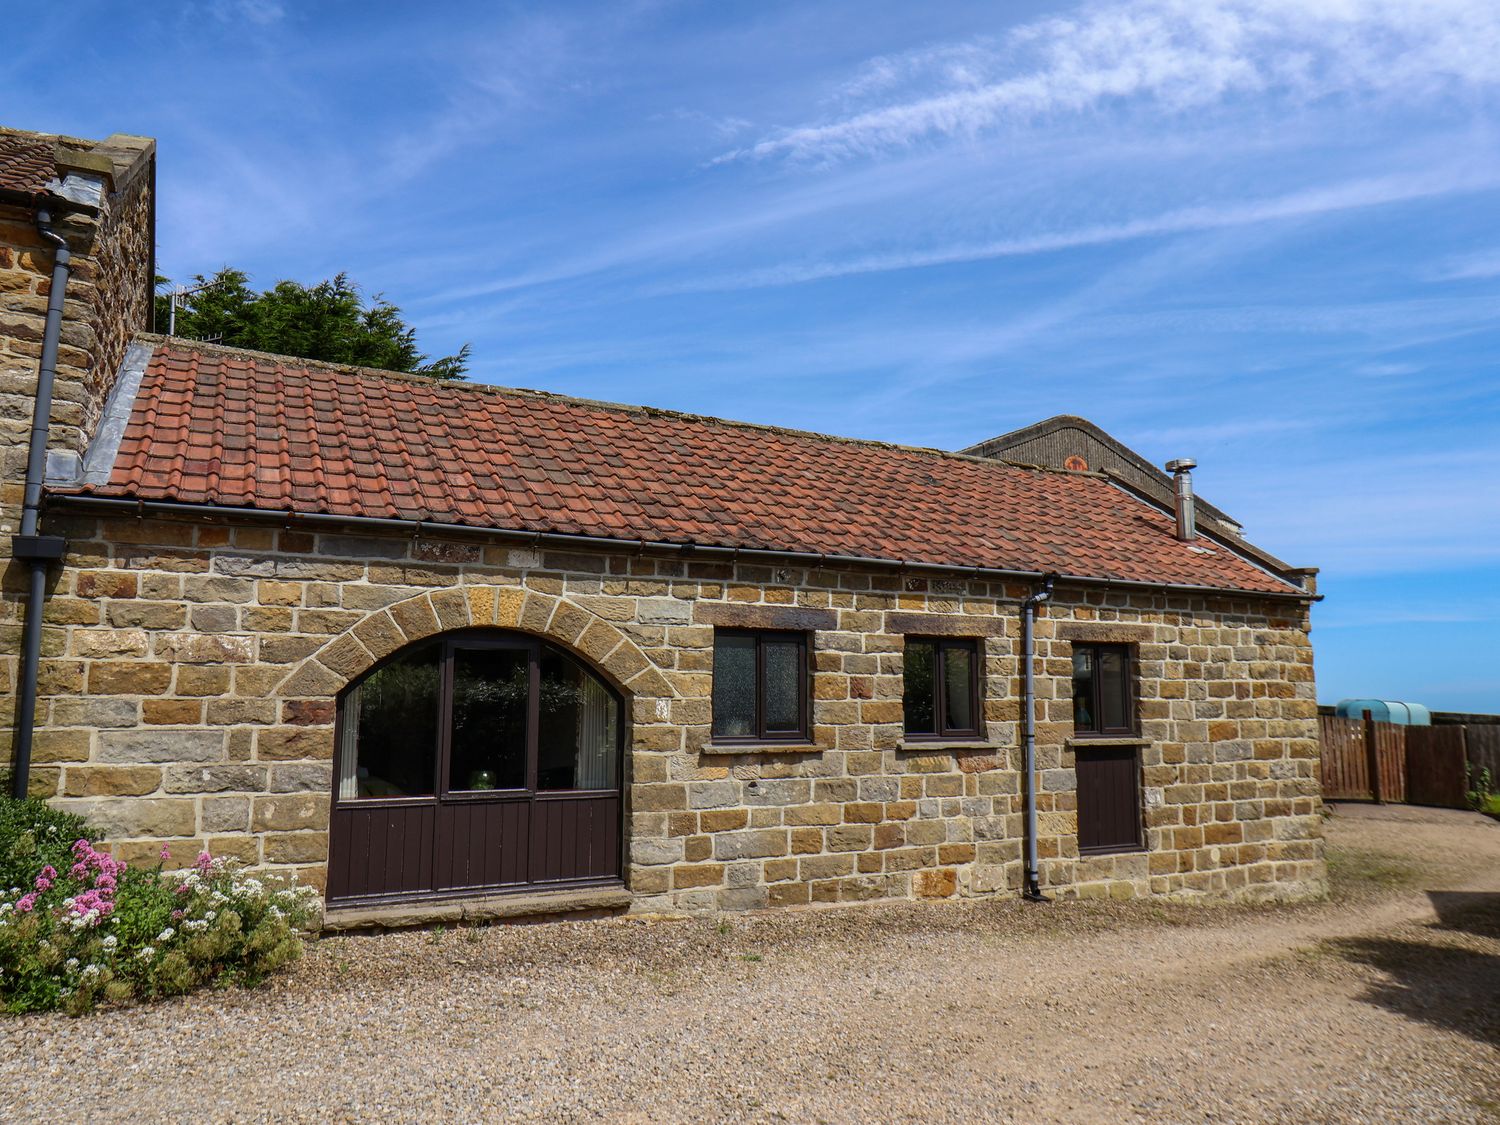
{"x":1260,"y":234}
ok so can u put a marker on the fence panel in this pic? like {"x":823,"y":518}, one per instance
{"x":1435,"y":766}
{"x":1483,"y":743}
{"x":1346,"y":766}
{"x":1351,"y":753}
{"x":1390,"y":748}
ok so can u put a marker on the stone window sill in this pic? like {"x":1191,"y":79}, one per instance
{"x":725,"y":748}
{"x":942,"y":744}
{"x":1084,"y":743}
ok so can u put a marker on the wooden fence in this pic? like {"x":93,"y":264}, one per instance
{"x":1365,"y":760}
{"x":1483,"y":746}
{"x":1436,"y":772}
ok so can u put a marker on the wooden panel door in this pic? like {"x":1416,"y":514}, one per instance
{"x":1109,"y":805}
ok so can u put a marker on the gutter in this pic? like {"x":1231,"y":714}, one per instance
{"x":323,"y":521}
{"x":1032,"y":888}
{"x":29,"y":546}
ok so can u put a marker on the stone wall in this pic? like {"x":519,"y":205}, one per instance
{"x":191,"y":671}
{"x":108,"y":301}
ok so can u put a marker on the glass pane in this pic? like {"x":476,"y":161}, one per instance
{"x":490,"y":690}
{"x":917,"y":700}
{"x":577,"y":727}
{"x":958,"y":686}
{"x":393,"y":718}
{"x":783,"y":700}
{"x":734,"y":685}
{"x":1083,"y":690}
{"x":1114,"y":690}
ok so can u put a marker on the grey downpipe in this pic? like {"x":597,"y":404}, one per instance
{"x":1033,"y":888}
{"x":36,"y":462}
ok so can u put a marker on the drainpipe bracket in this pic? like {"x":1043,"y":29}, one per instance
{"x":47,"y":548}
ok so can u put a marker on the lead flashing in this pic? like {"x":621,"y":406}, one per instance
{"x":99,"y":461}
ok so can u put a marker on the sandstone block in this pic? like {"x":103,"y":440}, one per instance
{"x":290,"y":812}
{"x":140,"y":747}
{"x":226,"y":814}
{"x":171,"y":712}
{"x":751,"y":844}
{"x":111,"y":781}
{"x":123,"y":817}
{"x":295,"y":847}
{"x":61,"y":746}
{"x":205,"y":648}
{"x":128,"y":677}
{"x":282,"y":744}
{"x":215,"y":779}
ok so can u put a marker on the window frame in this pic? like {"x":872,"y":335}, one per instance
{"x":1132,"y":708}
{"x":448,"y":645}
{"x":804,"y":693}
{"x":941,"y":731}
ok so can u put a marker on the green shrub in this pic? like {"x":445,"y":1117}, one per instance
{"x":1481,"y":788}
{"x":94,"y":929}
{"x":32,"y":835}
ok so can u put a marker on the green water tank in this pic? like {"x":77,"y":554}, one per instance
{"x":1385,"y":711}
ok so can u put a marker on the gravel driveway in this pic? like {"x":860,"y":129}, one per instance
{"x":1381,"y":1005}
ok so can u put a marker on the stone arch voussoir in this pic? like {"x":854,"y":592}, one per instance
{"x":349,"y":655}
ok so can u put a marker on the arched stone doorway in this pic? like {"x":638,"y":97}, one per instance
{"x":476,"y":761}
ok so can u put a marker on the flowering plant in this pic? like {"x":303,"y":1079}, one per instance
{"x":102,"y":930}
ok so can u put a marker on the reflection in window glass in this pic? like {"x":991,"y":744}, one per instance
{"x":783,"y":693}
{"x":1083,"y":689}
{"x":577,"y":727}
{"x":1113,"y":690}
{"x":390,"y":729}
{"x":734,"y":685}
{"x":920,"y":697}
{"x":958,"y":687}
{"x":490,"y":691}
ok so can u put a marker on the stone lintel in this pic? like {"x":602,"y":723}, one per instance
{"x":725,"y":748}
{"x":732,"y":615}
{"x":1104,"y":632}
{"x":945,"y":624}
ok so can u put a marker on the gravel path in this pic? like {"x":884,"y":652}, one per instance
{"x":1382,"y":1005}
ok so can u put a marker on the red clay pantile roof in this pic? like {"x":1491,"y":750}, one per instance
{"x":216,"y":426}
{"x":27,"y":164}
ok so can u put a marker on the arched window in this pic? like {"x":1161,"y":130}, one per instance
{"x":474,"y":715}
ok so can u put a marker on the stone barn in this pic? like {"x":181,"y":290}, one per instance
{"x":450,"y":649}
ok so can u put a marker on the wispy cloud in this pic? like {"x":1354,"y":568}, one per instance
{"x":1178,"y":54}
{"x":254,"y":11}
{"x":1469,"y":267}
{"x":1352,"y":194}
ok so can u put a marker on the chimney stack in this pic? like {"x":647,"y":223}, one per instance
{"x":1182,"y":476}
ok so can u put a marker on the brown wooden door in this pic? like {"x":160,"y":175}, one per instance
{"x":482,"y":762}
{"x":1109,"y":807}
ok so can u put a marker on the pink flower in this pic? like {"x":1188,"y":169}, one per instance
{"x":166,"y":853}
{"x":204,"y":862}
{"x":48,"y":872}
{"x":177,"y":915}
{"x":43,"y":884}
{"x":184,"y":889}
{"x":26,"y":903}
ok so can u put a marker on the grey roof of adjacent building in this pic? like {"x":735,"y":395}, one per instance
{"x":1053,"y":441}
